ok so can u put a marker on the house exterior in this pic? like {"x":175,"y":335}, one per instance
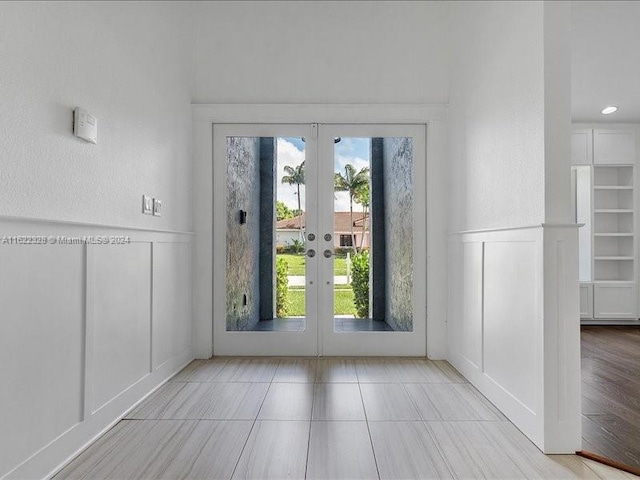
{"x":288,"y":230}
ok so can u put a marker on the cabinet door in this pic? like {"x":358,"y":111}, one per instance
{"x":614,"y":147}
{"x":586,"y":300}
{"x":614,"y":300}
{"x":581,"y":147}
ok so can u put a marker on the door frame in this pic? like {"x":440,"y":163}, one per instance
{"x":434,"y":119}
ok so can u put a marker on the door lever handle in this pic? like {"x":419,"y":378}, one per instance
{"x":328,"y":254}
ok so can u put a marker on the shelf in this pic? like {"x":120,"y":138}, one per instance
{"x":613,"y":281}
{"x":618,"y":234}
{"x":612,"y":210}
{"x":613,"y":176}
{"x":607,"y":201}
{"x":613,"y":258}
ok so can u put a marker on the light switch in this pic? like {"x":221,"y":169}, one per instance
{"x":157,"y":207}
{"x":147,"y":205}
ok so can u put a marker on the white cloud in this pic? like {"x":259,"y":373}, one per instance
{"x":342,"y":198}
{"x":288,"y":154}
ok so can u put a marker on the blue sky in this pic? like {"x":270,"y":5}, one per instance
{"x":347,"y":147}
{"x":355,"y":151}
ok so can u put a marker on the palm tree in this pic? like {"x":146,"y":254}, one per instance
{"x":363,"y":197}
{"x":295,"y":176}
{"x":351,"y":182}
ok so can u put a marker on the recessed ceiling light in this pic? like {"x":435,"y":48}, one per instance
{"x":609,"y":110}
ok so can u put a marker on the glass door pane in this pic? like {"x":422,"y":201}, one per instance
{"x":374,"y":224}
{"x":263,"y":201}
{"x":373,"y":179}
{"x":291,"y":231}
{"x":265,"y":248}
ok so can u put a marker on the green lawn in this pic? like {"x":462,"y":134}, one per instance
{"x":296,"y":263}
{"x":343,"y":302}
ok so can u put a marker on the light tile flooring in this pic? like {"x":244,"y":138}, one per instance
{"x":329,"y":418}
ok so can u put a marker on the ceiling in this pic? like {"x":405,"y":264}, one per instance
{"x":606,"y":60}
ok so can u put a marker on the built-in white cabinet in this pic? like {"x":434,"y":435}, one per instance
{"x":582,"y":147}
{"x":586,"y":300}
{"x":614,"y":146}
{"x":604,"y":198}
{"x":614,"y":300}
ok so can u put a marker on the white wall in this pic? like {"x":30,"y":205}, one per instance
{"x":126,"y":63}
{"x":332,"y":55}
{"x":321,"y":52}
{"x":513,"y":323}
{"x":496,"y":115}
{"x":86,"y":331}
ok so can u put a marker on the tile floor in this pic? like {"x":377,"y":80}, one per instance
{"x":329,"y":418}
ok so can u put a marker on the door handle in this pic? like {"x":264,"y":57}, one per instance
{"x":311,"y":253}
{"x":328,"y":254}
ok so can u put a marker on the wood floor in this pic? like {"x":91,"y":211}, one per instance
{"x":611,"y":392}
{"x":330,"y":418}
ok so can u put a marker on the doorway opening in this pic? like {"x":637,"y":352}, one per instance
{"x":319,"y":234}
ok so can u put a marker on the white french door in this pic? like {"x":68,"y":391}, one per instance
{"x":360,"y":190}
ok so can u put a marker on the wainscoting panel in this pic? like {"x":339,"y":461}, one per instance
{"x":472,"y":322}
{"x":121,"y":318}
{"x":87,"y":331}
{"x":513,"y":326}
{"x":41,"y":346}
{"x":495,"y":325}
{"x":172,"y":301}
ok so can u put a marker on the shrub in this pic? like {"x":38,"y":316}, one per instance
{"x":282,"y":288}
{"x":298,"y":246}
{"x":360,"y":283}
{"x":342,"y":251}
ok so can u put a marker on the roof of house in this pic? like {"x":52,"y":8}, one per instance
{"x":341,"y":222}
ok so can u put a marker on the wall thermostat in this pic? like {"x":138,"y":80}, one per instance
{"x":85,"y":125}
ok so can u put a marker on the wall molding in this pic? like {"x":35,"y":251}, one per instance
{"x":536,"y":265}
{"x":103,"y":226}
{"x":45,"y":463}
{"x":520,"y":227}
{"x":319,"y":113}
{"x":165,"y":266}
{"x":481,"y":263}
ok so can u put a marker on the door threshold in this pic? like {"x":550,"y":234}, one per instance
{"x":610,"y":463}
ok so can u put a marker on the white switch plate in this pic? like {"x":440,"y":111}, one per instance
{"x":85,"y":125}
{"x":147,"y":205}
{"x":157,"y":207}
